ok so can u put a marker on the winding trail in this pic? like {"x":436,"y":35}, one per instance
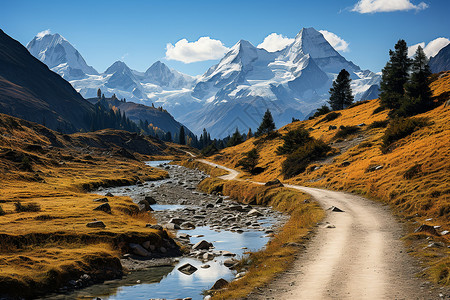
{"x":362,"y":257}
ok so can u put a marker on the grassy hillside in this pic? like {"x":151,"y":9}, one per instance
{"x":45,"y":205}
{"x":412,"y":176}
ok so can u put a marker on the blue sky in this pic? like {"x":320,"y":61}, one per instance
{"x":138,"y":32}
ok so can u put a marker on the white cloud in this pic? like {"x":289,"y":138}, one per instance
{"x":43,"y":33}
{"x":337,"y":42}
{"x":274,"y":42}
{"x":203,"y":49}
{"x":373,"y":6}
{"x":431,"y":49}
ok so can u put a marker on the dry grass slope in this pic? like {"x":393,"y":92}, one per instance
{"x":412,"y":178}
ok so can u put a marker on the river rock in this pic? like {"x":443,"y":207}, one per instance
{"x":150,"y":200}
{"x":96,"y":224}
{"x":187,"y":225}
{"x":177,"y":221}
{"x":202,"y":245}
{"x":227,"y":253}
{"x":254,"y":213}
{"x":139,"y":250}
{"x":205,"y":266}
{"x":171,"y":226}
{"x":108,"y":194}
{"x":149,"y":246}
{"x":104,"y":207}
{"x":154,"y":226}
{"x":187,"y":269}
{"x":229,"y":263}
{"x":220,"y":284}
{"x":207,"y":256}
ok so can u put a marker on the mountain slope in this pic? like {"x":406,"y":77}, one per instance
{"x":60,"y":56}
{"x":441,"y":61}
{"x":29,"y":90}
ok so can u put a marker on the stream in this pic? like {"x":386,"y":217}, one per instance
{"x":215,"y":219}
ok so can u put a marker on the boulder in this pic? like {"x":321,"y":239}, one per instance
{"x":427,"y":228}
{"x":207,"y":256}
{"x":335,"y":209}
{"x":171,"y":226}
{"x":227,"y":253}
{"x":220,"y":284}
{"x":274,"y":183}
{"x":139,"y":250}
{"x":205,"y":266}
{"x":187,"y":269}
{"x":187,"y":225}
{"x":104,"y":199}
{"x":96,"y":224}
{"x":202,"y":245}
{"x":154,"y":226}
{"x":108,"y":194}
{"x":104,"y":207}
{"x":150,"y":200}
{"x":144,"y":205}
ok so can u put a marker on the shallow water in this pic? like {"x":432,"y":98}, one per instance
{"x":167,"y":282}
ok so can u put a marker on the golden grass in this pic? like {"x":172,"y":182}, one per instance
{"x":281,"y":250}
{"x":193,"y":164}
{"x":426,"y":195}
{"x":42,"y":250}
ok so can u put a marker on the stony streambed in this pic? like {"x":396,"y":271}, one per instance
{"x":215,"y":230}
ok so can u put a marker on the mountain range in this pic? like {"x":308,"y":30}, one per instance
{"x":235,"y":93}
{"x":441,"y":61}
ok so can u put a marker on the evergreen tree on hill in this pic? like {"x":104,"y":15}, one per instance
{"x":418,"y":88}
{"x":182,"y":136}
{"x":341,"y":93}
{"x":235,"y":139}
{"x":267,"y":125}
{"x":395,"y":76}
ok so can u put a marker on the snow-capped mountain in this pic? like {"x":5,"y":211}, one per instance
{"x":292,"y":82}
{"x":60,"y":56}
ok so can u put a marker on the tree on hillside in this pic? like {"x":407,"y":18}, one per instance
{"x":341,"y":93}
{"x":182,"y":136}
{"x":293,"y":140}
{"x":395,"y":76}
{"x":418,"y":88}
{"x":249,"y":134}
{"x":235,"y":139}
{"x":267,"y":125}
{"x":99,"y":93}
{"x":249,"y":161}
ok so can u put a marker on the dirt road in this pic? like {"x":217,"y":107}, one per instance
{"x":355,"y":254}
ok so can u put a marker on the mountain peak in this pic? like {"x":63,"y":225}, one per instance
{"x":117,"y":66}
{"x":312,"y":42}
{"x":59,"y":55}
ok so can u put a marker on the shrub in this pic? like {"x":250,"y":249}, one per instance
{"x":345,"y":131}
{"x":209,"y":150}
{"x":2,"y":212}
{"x":297,"y":162}
{"x":331,"y":116}
{"x":400,"y":128}
{"x":320,"y":112}
{"x":294,"y":139}
{"x":25,"y":164}
{"x":378,"y":124}
{"x":30,"y":207}
{"x":250,"y":161}
{"x":414,"y":171}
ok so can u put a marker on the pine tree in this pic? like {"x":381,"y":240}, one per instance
{"x":235,"y":139}
{"x":341,"y":93}
{"x":182,"y":136}
{"x":395,"y":76}
{"x":267,"y":125}
{"x":99,"y":93}
{"x":418,"y":88}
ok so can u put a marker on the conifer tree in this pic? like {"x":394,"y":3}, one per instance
{"x":267,"y":125}
{"x":418,"y":88}
{"x":182,"y":136}
{"x":341,"y":93}
{"x":249,"y":161}
{"x":235,"y":139}
{"x":395,"y":76}
{"x":249,"y":134}
{"x":99,"y":93}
